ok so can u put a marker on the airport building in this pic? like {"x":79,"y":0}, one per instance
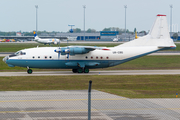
{"x":96,"y":36}
{"x":101,"y":36}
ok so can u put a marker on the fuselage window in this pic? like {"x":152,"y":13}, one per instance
{"x":86,"y":57}
{"x":38,"y":56}
{"x":101,"y":57}
{"x":45,"y":57}
{"x":97,"y":57}
{"x":91,"y":57}
{"x":33,"y":57}
{"x":50,"y":57}
{"x":107,"y":57}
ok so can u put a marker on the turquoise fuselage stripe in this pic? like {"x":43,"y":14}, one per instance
{"x":55,"y":64}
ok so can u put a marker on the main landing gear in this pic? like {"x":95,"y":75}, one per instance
{"x":80,"y":70}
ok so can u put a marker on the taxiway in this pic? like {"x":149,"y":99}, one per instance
{"x":105,"y":72}
{"x":73,"y":105}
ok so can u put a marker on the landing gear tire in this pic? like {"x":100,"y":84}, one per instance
{"x":86,"y":70}
{"x":74,"y":70}
{"x":80,"y":70}
{"x":29,"y":71}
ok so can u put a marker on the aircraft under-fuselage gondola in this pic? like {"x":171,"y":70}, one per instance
{"x":82,"y":58}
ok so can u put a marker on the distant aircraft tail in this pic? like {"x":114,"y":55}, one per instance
{"x":136,"y":37}
{"x":158,"y":35}
{"x":35,"y":35}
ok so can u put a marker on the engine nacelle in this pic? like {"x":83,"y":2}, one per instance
{"x":78,"y":50}
{"x":73,"y":50}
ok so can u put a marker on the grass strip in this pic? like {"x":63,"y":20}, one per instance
{"x":135,"y":86}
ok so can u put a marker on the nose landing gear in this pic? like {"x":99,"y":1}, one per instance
{"x":29,"y":71}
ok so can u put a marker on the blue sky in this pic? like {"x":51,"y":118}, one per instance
{"x":55,"y":15}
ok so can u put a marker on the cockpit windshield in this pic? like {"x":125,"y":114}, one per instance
{"x":20,"y":53}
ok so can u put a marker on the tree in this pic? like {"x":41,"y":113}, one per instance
{"x":91,"y":30}
{"x":115,"y":29}
{"x":77,"y":30}
{"x":175,"y":36}
{"x":106,"y":29}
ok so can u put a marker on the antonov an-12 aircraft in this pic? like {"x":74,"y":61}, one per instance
{"x":45,"y":41}
{"x":82,"y":58}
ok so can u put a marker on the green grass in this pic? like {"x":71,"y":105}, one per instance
{"x":149,"y":86}
{"x":135,"y":86}
{"x":140,"y":86}
{"x":13,"y":47}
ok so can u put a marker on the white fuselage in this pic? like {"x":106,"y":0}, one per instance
{"x":33,"y":57}
{"x":47,"y":41}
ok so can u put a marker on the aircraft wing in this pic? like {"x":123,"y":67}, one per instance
{"x":94,"y":48}
{"x":72,"y":50}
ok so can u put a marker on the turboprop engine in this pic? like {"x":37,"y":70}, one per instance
{"x":72,"y":50}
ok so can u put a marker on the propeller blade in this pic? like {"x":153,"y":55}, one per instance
{"x":59,"y":54}
{"x":68,"y":56}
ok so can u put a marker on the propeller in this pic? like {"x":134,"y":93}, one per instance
{"x":67,"y":51}
{"x":58,"y":50}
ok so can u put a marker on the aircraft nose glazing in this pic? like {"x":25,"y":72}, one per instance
{"x":5,"y":58}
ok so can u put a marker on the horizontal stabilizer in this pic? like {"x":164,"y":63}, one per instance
{"x":172,"y":47}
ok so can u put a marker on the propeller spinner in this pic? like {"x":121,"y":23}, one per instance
{"x":67,"y":51}
{"x":58,"y":50}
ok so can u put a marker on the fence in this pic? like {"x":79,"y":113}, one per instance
{"x":73,"y":105}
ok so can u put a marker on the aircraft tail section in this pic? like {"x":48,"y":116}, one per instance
{"x":158,"y":35}
{"x":35,"y":35}
{"x":160,"y":28}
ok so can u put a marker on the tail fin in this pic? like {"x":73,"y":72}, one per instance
{"x":158,"y":35}
{"x":35,"y":36}
{"x":136,"y":37}
{"x":160,"y":28}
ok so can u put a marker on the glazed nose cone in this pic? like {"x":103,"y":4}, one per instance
{"x":5,"y":58}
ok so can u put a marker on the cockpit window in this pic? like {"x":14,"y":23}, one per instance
{"x":20,"y":53}
{"x":17,"y":53}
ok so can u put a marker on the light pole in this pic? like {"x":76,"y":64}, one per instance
{"x":171,"y":18}
{"x":36,"y":6}
{"x":84,"y":6}
{"x":125,"y":6}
